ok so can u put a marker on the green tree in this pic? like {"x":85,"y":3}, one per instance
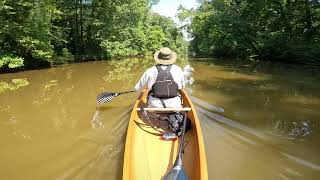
{"x":45,"y":32}
{"x":285,"y":30}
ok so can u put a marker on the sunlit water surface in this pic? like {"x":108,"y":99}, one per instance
{"x":51,"y":128}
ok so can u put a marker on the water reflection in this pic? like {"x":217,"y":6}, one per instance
{"x":130,"y":70}
{"x":45,"y":96}
{"x":127,"y":70}
{"x":13,"y":85}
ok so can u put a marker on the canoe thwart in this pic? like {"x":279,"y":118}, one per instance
{"x":165,"y":109}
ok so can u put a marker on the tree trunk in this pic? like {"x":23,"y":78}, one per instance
{"x":308,"y":14}
{"x":77,"y":27}
{"x":81,"y":26}
{"x":308,"y":33}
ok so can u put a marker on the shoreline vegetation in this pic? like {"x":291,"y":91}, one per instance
{"x":46,"y":33}
{"x":274,"y":30}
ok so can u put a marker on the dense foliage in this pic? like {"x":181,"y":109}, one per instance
{"x":286,"y":30}
{"x":46,"y":32}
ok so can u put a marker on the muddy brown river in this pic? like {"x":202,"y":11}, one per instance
{"x":50,"y":127}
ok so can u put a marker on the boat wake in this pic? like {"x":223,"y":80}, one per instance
{"x":250,"y":148}
{"x":95,"y":122}
{"x":102,"y":148}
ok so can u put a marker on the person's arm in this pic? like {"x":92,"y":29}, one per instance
{"x":142,"y":82}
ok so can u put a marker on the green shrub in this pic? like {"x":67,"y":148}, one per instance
{"x":11,"y":61}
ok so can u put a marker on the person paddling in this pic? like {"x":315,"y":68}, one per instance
{"x":164,"y":80}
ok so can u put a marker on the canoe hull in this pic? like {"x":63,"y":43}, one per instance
{"x":149,"y":157}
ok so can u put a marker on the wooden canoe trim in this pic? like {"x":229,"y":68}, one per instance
{"x":165,"y":109}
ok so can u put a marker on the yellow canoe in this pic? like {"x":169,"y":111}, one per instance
{"x":149,"y":157}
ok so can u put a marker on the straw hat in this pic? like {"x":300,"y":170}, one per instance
{"x":165,"y":56}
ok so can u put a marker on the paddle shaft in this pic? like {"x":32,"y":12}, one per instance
{"x":177,"y":172}
{"x":178,"y":161}
{"x":182,"y":134}
{"x":125,"y":92}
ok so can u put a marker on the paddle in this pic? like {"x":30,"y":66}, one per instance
{"x":177,"y":172}
{"x":105,"y":97}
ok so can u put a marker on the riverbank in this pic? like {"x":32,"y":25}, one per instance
{"x":251,"y":64}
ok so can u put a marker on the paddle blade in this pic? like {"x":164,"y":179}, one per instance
{"x":177,"y":173}
{"x":105,"y":97}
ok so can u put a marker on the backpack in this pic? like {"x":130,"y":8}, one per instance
{"x":164,"y":86}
